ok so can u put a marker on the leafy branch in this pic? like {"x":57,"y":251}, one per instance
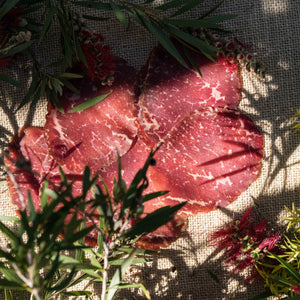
{"x":118,"y":219}
{"x":21,"y":37}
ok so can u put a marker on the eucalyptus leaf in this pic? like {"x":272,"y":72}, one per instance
{"x":89,"y":103}
{"x":8,"y":219}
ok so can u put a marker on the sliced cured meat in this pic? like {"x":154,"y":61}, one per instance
{"x":32,"y":147}
{"x":23,"y":177}
{"x":93,"y":136}
{"x":170,"y":91}
{"x":208,"y":159}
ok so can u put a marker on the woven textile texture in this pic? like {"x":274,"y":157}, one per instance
{"x":271,"y":27}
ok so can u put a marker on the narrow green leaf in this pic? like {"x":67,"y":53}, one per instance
{"x":93,"y":18}
{"x":290,"y":269}
{"x":215,"y":7}
{"x":190,"y":4}
{"x":90,"y":4}
{"x":32,"y":9}
{"x":11,"y":81}
{"x":44,"y":196}
{"x":69,"y":75}
{"x":135,"y":286}
{"x":153,"y":195}
{"x":54,"y":99}
{"x":171,"y":4}
{"x":48,"y":21}
{"x":6,"y":284}
{"x":89,"y":103}
{"x":70,"y":86}
{"x":79,"y":52}
{"x":11,"y":275}
{"x":31,"y":91}
{"x":10,"y":234}
{"x":118,"y":262}
{"x":164,"y":40}
{"x":206,"y":49}
{"x":18,"y":48}
{"x":296,"y":297}
{"x":119,"y":13}
{"x":8,"y":219}
{"x":66,"y":41}
{"x":153,"y":220}
{"x":36,"y":98}
{"x":76,"y":293}
{"x":64,"y":284}
{"x":7,"y":6}
{"x":117,"y":277}
{"x":191,"y":60}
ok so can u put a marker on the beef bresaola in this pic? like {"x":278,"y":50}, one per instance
{"x":93,"y":136}
{"x":208,"y":159}
{"x":168,"y":91}
{"x":32,"y":148}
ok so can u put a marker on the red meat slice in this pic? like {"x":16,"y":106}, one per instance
{"x":32,"y":147}
{"x":93,"y":136}
{"x":208,"y":159}
{"x":170,"y":91}
{"x":23,"y":178}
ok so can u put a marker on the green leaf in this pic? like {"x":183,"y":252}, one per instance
{"x":76,"y":293}
{"x":8,"y":219}
{"x":153,"y":195}
{"x":93,"y":18}
{"x":11,"y":81}
{"x":11,"y":275}
{"x":48,"y":21}
{"x":189,"y":4}
{"x":7,"y":6}
{"x":64,"y":283}
{"x":117,"y":262}
{"x":70,"y":86}
{"x":10,"y":234}
{"x":116,"y":279}
{"x":191,"y":60}
{"x":171,"y":4}
{"x":89,"y":103}
{"x":69,"y":75}
{"x":79,"y":52}
{"x":44,"y":196}
{"x":153,"y":220}
{"x":90,"y":4}
{"x":289,"y":268}
{"x":31,"y":91}
{"x":6,"y":284}
{"x":18,"y":48}
{"x":66,"y":41}
{"x":119,"y":13}
{"x":206,"y":49}
{"x":215,"y":7}
{"x":164,"y":40}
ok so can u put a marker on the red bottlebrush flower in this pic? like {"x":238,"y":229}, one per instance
{"x":296,"y":289}
{"x":242,"y":242}
{"x":100,"y":62}
{"x":270,"y":242}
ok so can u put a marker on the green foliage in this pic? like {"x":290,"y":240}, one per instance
{"x":296,"y":120}
{"x":48,"y":84}
{"x":35,"y":259}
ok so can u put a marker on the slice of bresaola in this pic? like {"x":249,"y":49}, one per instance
{"x":208,"y":159}
{"x":168,"y":91}
{"x":32,"y":148}
{"x":93,"y":136}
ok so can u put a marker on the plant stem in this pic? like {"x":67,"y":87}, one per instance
{"x":105,"y":267}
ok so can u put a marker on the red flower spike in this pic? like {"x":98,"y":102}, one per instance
{"x":100,"y":62}
{"x":296,"y":289}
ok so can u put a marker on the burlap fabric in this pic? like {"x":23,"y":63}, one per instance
{"x":181,"y":271}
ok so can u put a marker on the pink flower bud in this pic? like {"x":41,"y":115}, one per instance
{"x":218,"y":45}
{"x":249,"y":57}
{"x":230,"y":46}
